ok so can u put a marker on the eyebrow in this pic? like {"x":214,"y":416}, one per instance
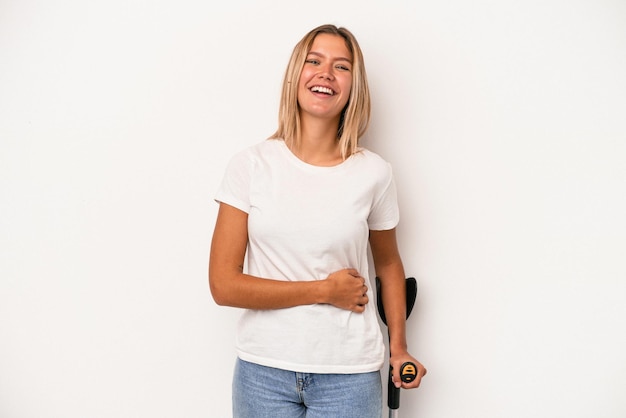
{"x":318,"y":54}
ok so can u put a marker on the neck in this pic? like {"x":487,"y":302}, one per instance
{"x":319,"y":144}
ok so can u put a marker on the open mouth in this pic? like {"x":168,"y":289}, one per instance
{"x":323,"y":90}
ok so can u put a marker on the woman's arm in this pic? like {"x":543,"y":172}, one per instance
{"x":231,"y":287}
{"x":390,"y":270}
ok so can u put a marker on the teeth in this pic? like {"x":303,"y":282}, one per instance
{"x":321,"y":89}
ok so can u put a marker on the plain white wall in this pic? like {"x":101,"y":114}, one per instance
{"x":505,"y":123}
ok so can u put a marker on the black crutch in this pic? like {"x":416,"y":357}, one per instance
{"x":408,"y":370}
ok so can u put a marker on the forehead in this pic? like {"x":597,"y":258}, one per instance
{"x":331,"y":45}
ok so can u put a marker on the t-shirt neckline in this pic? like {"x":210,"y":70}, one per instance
{"x":311,"y":167}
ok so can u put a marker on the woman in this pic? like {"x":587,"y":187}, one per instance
{"x":300,"y":208}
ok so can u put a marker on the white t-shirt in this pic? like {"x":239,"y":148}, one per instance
{"x":305,"y":222}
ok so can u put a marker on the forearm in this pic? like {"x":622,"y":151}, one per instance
{"x":393,"y":290}
{"x":344,"y":289}
{"x":245,"y":291}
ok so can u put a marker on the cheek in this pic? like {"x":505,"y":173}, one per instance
{"x":305,"y":76}
{"x":347,"y":87}
{"x":301,"y":92}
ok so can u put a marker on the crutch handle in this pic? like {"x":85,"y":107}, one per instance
{"x":408,"y":373}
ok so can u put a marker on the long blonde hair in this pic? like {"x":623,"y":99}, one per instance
{"x":355,"y":117}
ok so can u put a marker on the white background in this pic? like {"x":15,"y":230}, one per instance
{"x":505,"y":122}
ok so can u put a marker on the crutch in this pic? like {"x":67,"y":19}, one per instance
{"x":408,"y":370}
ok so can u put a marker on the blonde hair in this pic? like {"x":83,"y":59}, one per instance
{"x":355,"y":117}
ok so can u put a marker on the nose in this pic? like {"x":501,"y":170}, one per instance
{"x":326,"y":73}
{"x":326,"y":76}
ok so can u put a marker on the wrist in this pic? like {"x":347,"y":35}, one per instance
{"x":398,"y":347}
{"x":321,"y":293}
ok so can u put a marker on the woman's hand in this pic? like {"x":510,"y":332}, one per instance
{"x":347,"y":290}
{"x":396,"y":361}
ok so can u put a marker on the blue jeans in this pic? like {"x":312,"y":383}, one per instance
{"x":266,"y":392}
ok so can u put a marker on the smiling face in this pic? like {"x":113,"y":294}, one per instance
{"x":326,"y":78}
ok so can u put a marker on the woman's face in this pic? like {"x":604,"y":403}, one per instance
{"x":326,"y":78}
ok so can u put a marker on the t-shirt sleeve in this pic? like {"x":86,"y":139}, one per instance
{"x":385,"y":213}
{"x":234,"y":189}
